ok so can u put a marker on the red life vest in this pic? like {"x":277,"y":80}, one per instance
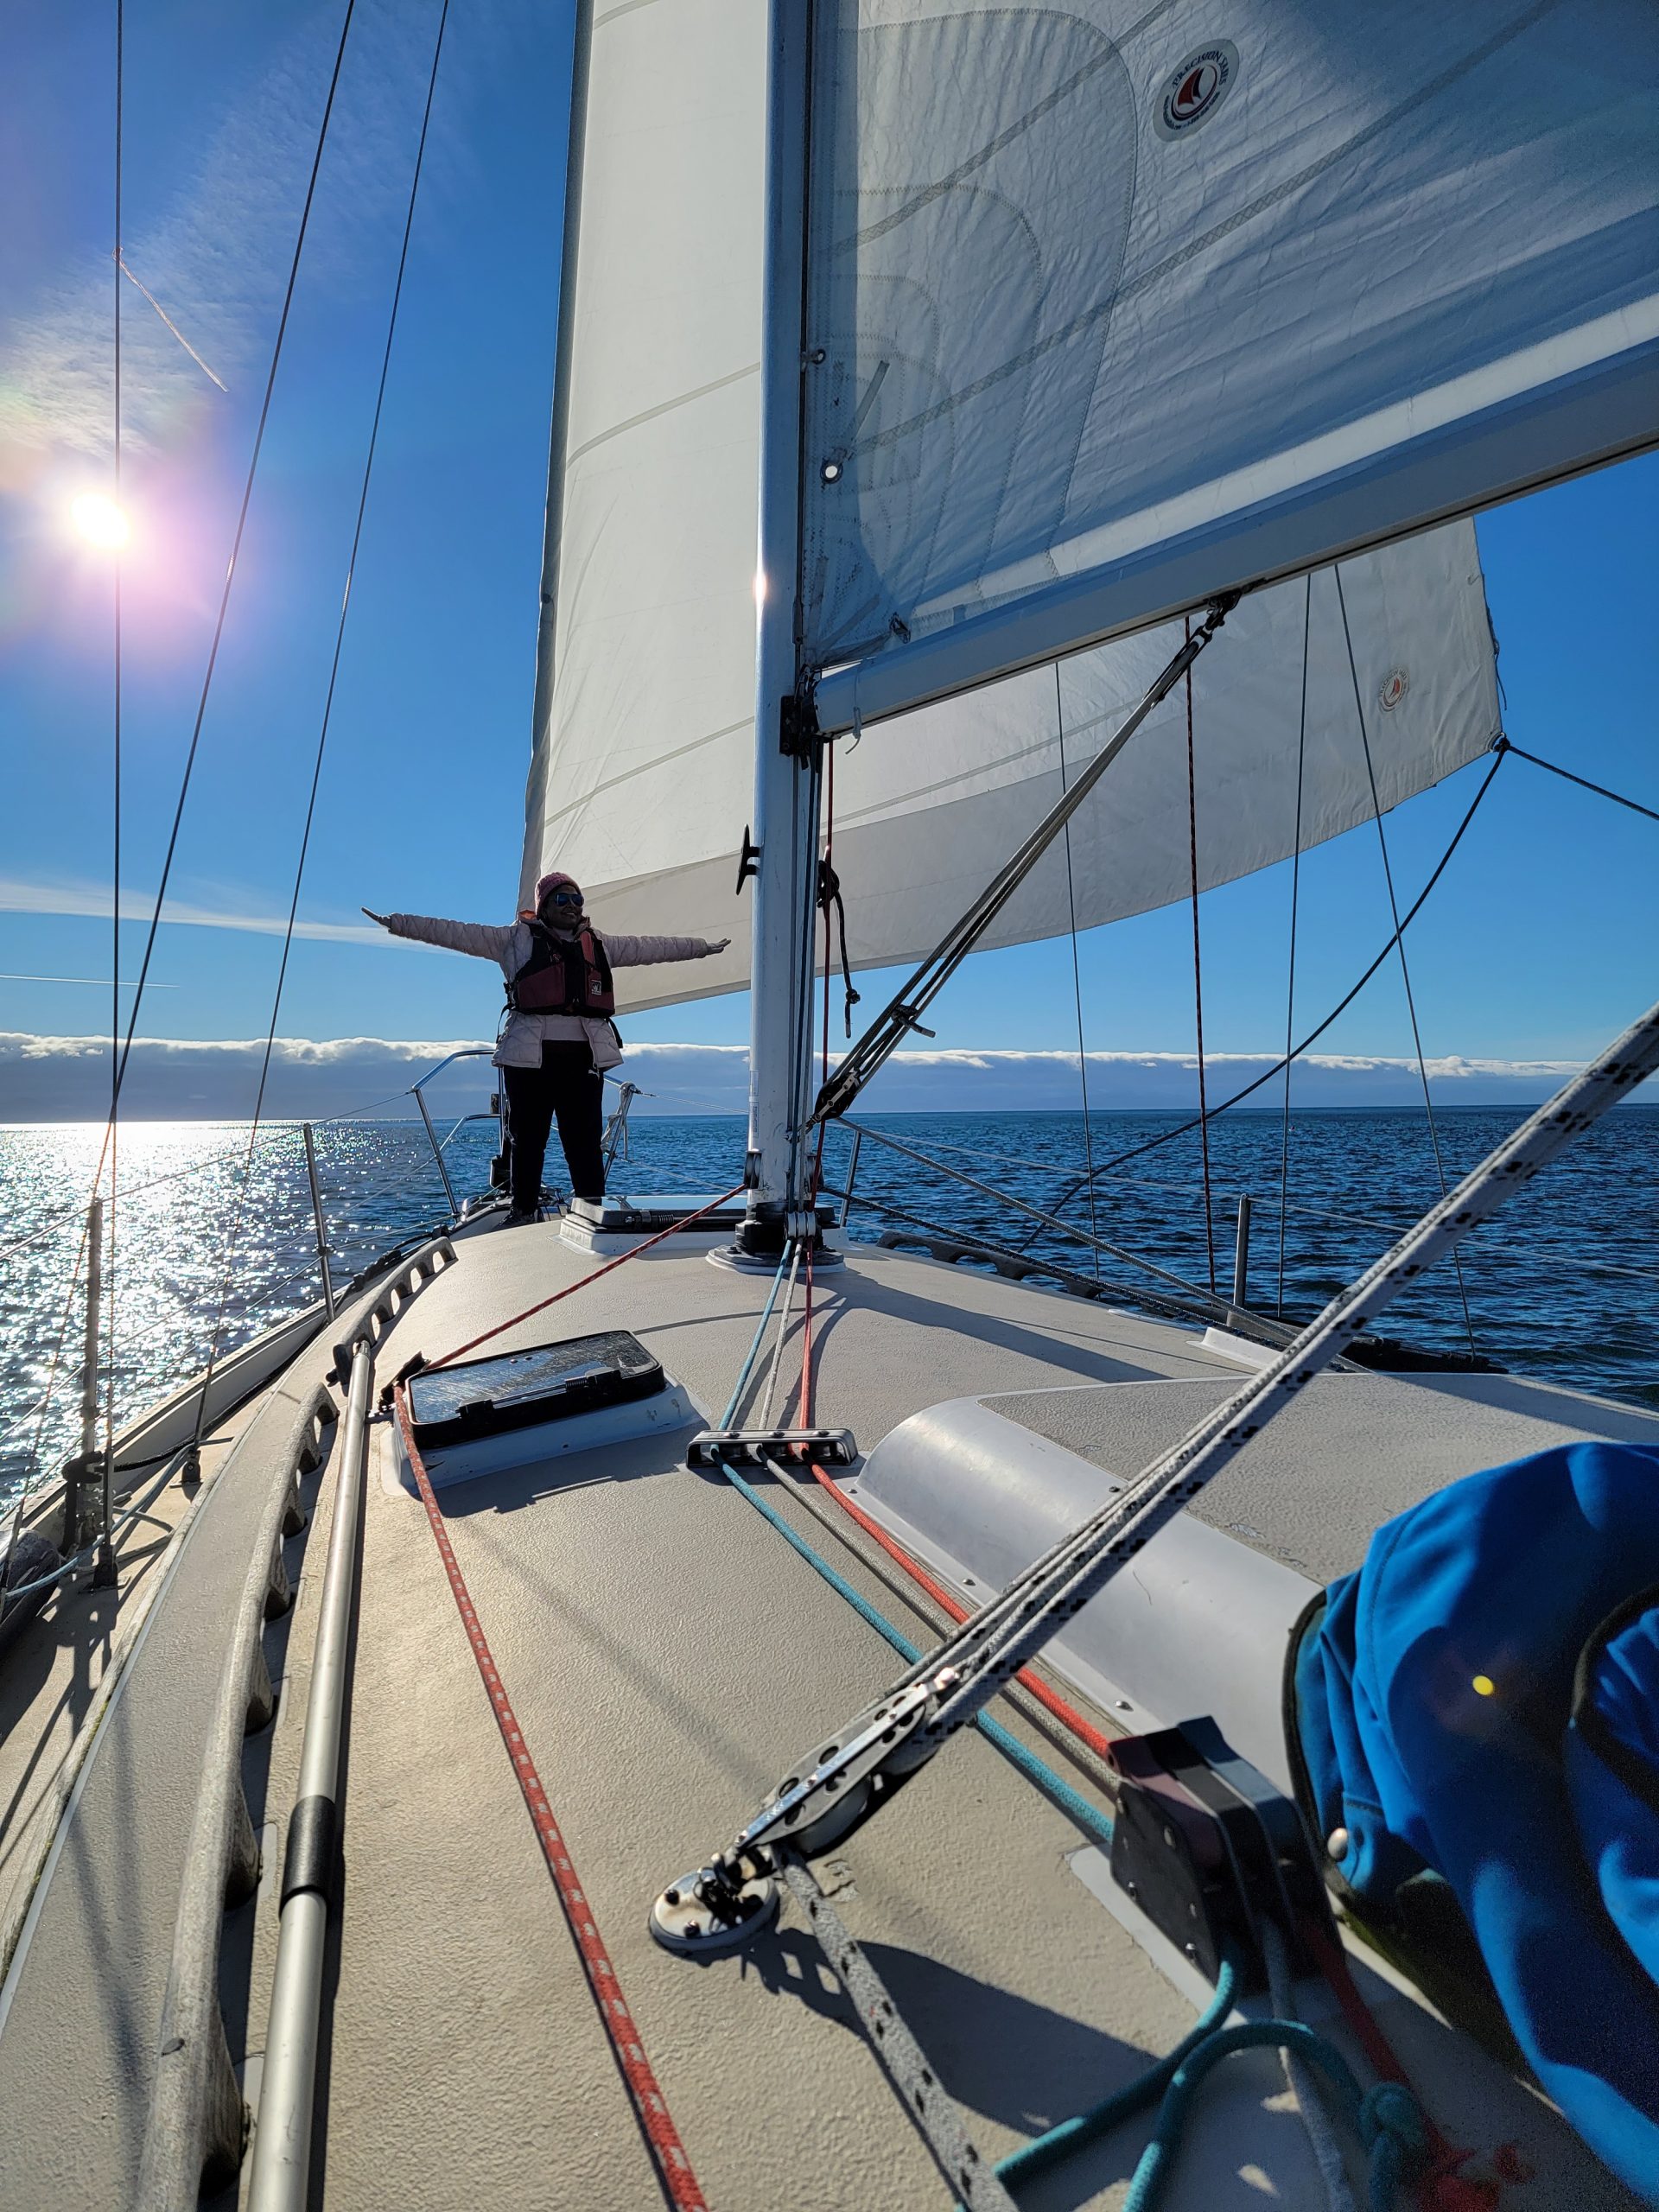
{"x":563,"y":975}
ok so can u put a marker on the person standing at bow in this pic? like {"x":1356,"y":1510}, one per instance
{"x":559,"y":1036}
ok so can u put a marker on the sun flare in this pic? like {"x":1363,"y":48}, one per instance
{"x":100,"y":521}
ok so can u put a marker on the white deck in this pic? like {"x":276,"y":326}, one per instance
{"x":667,"y":1656}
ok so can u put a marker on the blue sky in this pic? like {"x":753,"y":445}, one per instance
{"x":1538,"y":945}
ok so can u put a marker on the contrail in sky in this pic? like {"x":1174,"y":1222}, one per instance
{"x":217,"y":254}
{"x":93,"y":899}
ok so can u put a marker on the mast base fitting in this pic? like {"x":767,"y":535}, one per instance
{"x":762,"y":1241}
{"x":714,"y":1909}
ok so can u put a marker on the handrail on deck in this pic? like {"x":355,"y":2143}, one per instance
{"x":196,"y":2131}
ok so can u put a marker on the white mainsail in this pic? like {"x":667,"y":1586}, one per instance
{"x":1111,"y":308}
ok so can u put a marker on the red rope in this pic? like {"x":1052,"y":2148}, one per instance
{"x":683,"y":2190}
{"x":1067,"y":1715}
{"x":1441,"y":2188}
{"x":581,"y":1282}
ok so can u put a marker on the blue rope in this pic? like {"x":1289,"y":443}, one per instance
{"x":1388,"y":2118}
{"x":1072,"y":1803}
{"x":1088,"y":1817}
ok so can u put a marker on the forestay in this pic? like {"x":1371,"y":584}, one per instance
{"x":1113,"y":307}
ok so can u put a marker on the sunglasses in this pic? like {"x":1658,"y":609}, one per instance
{"x":564,"y":899}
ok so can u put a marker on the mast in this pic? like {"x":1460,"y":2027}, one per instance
{"x":787,"y":751}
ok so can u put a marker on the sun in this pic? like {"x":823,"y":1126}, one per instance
{"x":100,"y":521}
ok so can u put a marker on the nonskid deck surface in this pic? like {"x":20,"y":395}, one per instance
{"x":80,"y":2008}
{"x":667,"y":1656}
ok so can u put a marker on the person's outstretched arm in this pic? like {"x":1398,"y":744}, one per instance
{"x":642,"y":951}
{"x":482,"y":939}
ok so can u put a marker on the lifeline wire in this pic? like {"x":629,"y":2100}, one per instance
{"x":1014,"y":1627}
{"x":327,"y":714}
{"x":1405,"y":972}
{"x":1183,"y":1128}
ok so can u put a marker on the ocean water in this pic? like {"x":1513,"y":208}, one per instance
{"x":1564,"y":1284}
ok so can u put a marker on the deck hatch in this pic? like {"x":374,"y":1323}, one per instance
{"x":523,"y":1389}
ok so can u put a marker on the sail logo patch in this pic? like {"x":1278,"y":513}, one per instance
{"x":1394,"y":690}
{"x":1194,"y":91}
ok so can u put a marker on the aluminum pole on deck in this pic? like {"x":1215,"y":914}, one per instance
{"x":281,"y":2141}
{"x":317,"y":1221}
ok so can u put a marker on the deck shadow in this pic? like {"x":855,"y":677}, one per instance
{"x":999,"y":2054}
{"x":1094,"y":1366}
{"x":510,"y":1490}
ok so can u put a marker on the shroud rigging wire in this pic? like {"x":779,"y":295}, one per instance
{"x":1077,"y":977}
{"x":322,"y":734}
{"x":1185,"y":1129}
{"x":1290,"y":979}
{"x":1400,"y":942}
{"x":1198,"y":984}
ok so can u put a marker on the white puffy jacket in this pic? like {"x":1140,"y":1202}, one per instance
{"x":510,"y":948}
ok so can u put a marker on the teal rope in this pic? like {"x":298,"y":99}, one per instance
{"x":1388,"y":2118}
{"x":744,"y":1372}
{"x":1088,"y":1817}
{"x":1071,"y":2135}
{"x":1093,"y":1823}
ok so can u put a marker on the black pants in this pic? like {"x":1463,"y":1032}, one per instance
{"x":566,"y":1084}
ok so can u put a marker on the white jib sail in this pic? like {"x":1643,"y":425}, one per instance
{"x":1115,"y":307}
{"x":929,"y":805}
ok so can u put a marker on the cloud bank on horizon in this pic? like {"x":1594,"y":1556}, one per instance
{"x":67,"y":1079}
